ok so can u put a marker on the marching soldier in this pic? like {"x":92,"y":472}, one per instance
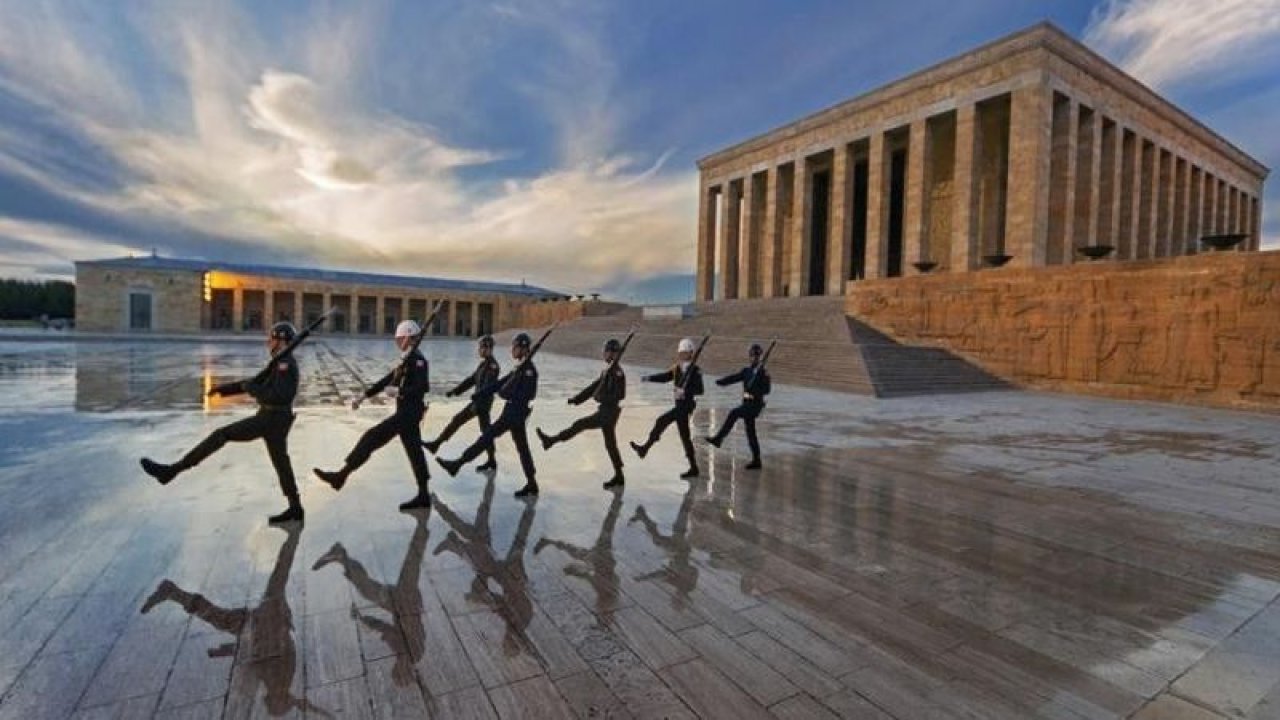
{"x":608,"y":390}
{"x":687,"y":379}
{"x":518,"y":387}
{"x":408,"y":382}
{"x":486,"y":372}
{"x":755,"y":386}
{"x":271,"y":423}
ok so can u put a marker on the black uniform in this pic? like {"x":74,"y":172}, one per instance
{"x":414,"y":379}
{"x":755,"y":386}
{"x":608,"y":390}
{"x":271,"y":423}
{"x":679,"y":414}
{"x":518,"y":394}
{"x":485,"y":373}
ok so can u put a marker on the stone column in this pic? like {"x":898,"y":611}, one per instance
{"x":1110,"y":234}
{"x":965,"y":248}
{"x":1030,"y":124}
{"x":877,"y":208}
{"x":1089,"y":235}
{"x":269,"y":307}
{"x":298,"y":318}
{"x":475,"y":318}
{"x":379,"y":312}
{"x":706,"y":243}
{"x":353,"y":317}
{"x":797,"y":269}
{"x":1181,"y":197}
{"x":1064,"y":147}
{"x":746,"y":247}
{"x":1169,"y":193}
{"x":1210,"y":225}
{"x":730,"y":214}
{"x":1195,"y":189}
{"x":840,"y":238}
{"x":326,"y":302}
{"x":1255,"y":223}
{"x":772,"y":285}
{"x":915,"y":205}
{"x":237,"y":309}
{"x":452,"y":327}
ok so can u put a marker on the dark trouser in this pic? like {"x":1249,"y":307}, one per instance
{"x":513,"y":422}
{"x":680,"y":416}
{"x":481,"y":414}
{"x":272,"y":426}
{"x":747,"y":413}
{"x":604,"y":419}
{"x":405,"y":423}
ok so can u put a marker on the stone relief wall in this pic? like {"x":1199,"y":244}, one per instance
{"x":1203,"y":329}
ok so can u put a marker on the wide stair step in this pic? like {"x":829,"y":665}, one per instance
{"x":818,"y":346}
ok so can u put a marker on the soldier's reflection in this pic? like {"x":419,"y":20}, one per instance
{"x":473,"y":542}
{"x":403,"y":600}
{"x":272,"y":657}
{"x":598,"y":565}
{"x":681,"y":574}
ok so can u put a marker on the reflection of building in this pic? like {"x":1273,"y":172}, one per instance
{"x":1023,"y":150}
{"x":176,"y":295}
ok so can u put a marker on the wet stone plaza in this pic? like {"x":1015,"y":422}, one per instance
{"x":998,"y":555}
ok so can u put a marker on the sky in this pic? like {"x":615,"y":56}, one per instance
{"x":549,"y":141}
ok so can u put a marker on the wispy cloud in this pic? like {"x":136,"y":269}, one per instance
{"x":284,"y":144}
{"x":1167,"y":42}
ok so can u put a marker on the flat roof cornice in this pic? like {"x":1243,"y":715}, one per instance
{"x":1041,"y":36}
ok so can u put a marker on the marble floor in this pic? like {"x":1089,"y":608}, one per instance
{"x":1000,"y":555}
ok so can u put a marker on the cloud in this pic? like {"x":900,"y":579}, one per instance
{"x":1170,"y":42}
{"x":286,"y":145}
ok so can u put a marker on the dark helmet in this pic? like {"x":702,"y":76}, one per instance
{"x":284,"y":331}
{"x":612,"y":345}
{"x":521,"y":340}
{"x":486,"y":341}
{"x":755,"y":350}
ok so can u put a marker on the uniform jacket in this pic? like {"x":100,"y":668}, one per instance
{"x":675,"y":375}
{"x":485,"y":373}
{"x":413,"y":376}
{"x":755,"y":383}
{"x":276,"y":392}
{"x":609,"y":389}
{"x":518,"y":392}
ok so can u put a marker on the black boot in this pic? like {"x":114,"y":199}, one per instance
{"x":547,"y":441}
{"x":450,"y":466}
{"x":294,"y":513}
{"x":692,"y":472}
{"x":432,"y":446}
{"x":713,"y":440}
{"x":753,"y":465}
{"x":161,"y":472}
{"x":421,"y":501}
{"x":334,"y":479}
{"x":616,"y":481}
{"x":530,"y":489}
{"x":641,"y":450}
{"x":489,"y":465}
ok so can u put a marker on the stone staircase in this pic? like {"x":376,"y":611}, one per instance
{"x":818,"y":346}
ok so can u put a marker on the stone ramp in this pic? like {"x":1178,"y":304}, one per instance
{"x":901,"y":370}
{"x":818,"y":346}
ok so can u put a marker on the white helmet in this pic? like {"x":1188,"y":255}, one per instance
{"x":407,"y":328}
{"x":686,"y":345}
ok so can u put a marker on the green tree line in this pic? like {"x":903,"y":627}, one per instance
{"x":29,"y":299}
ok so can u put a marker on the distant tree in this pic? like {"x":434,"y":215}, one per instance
{"x":29,"y":299}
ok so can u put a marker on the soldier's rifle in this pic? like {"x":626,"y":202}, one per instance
{"x":693,"y":361}
{"x":764,"y":360}
{"x":617,"y":358}
{"x":515,"y":372}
